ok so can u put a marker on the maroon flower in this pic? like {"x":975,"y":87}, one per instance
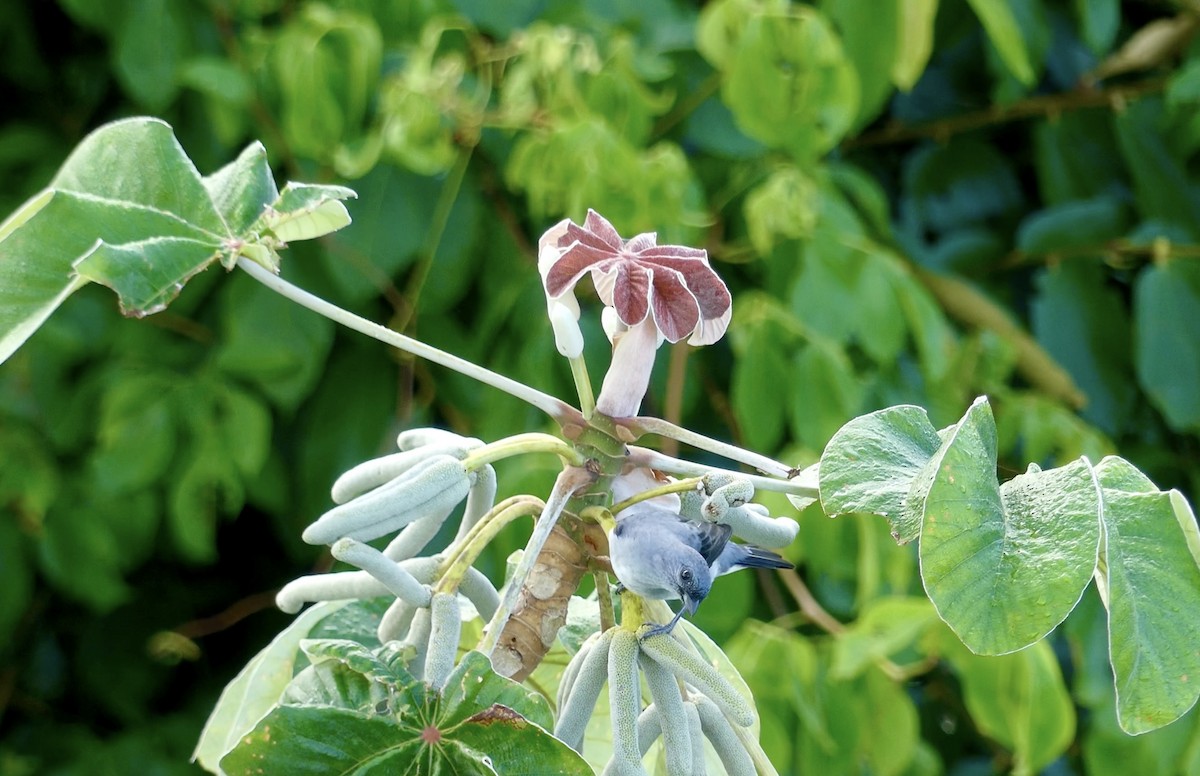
{"x":672,"y":283}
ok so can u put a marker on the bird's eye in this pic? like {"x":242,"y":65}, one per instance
{"x":686,"y":575}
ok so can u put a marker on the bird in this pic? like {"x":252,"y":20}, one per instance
{"x":662,"y":555}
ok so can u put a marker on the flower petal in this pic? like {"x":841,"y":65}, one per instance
{"x":710,"y":291}
{"x":631,"y":292}
{"x":675,"y":308}
{"x":711,"y":329}
{"x":642,"y":242}
{"x":600,"y":226}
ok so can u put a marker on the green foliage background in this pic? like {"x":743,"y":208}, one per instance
{"x":912,"y":201}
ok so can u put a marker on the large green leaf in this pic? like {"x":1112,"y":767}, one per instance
{"x":870,"y":465}
{"x":1004,"y":32}
{"x":1150,"y":582}
{"x":475,"y":726}
{"x":1004,"y":564}
{"x":129,"y":209}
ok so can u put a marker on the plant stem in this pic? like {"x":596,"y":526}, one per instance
{"x":554,"y":407}
{"x":583,"y":386}
{"x":455,"y":566}
{"x":641,"y":456}
{"x":678,"y":486}
{"x":648,"y":425}
{"x":568,"y":482}
{"x":522,"y":444}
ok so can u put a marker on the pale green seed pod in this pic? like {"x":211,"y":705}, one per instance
{"x":572,"y":670}
{"x":724,"y":740}
{"x":399,"y":582}
{"x":371,"y":474}
{"x":480,"y":591}
{"x":674,"y":657}
{"x":573,"y":715}
{"x":431,"y":488}
{"x":754,"y":524}
{"x":418,"y":639}
{"x":725,"y":493}
{"x":677,"y":742}
{"x":480,"y":500}
{"x":624,"y":697}
{"x":649,"y":728}
{"x":445,"y":630}
{"x":696,"y":736}
{"x":415,"y":536}
{"x":414,"y":438}
{"x":396,"y":621}
{"x":346,"y":585}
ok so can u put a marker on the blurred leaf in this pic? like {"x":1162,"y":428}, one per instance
{"x":1004,"y":32}
{"x":825,"y":393}
{"x":271,"y":342}
{"x":872,"y":462}
{"x":1082,"y":224}
{"x":151,"y":41}
{"x":1166,"y":310}
{"x":1152,"y":591}
{"x":963,"y":182}
{"x":1032,"y":541}
{"x":914,"y":35}
{"x":1076,"y":157}
{"x":1161,"y":187}
{"x":760,"y":384}
{"x":136,"y":433}
{"x":1110,"y":751}
{"x":1083,"y":325}
{"x":872,"y":38}
{"x":1099,"y":21}
{"x":884,"y":627}
{"x":1020,"y":701}
{"x":16,"y":579}
{"x":787,"y":81}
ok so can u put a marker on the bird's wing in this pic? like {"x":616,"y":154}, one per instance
{"x":711,"y":538}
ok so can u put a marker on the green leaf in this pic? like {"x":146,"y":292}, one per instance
{"x":474,"y":723}
{"x":961,"y":183}
{"x":789,"y":84}
{"x":1084,"y":325}
{"x":1151,"y":586}
{"x":136,"y":433}
{"x":825,"y":392}
{"x":1081,"y":224}
{"x":305,"y":211}
{"x":151,"y":41}
{"x":870,"y":36}
{"x":914,"y":35}
{"x":1004,"y":32}
{"x":870,"y":465}
{"x":1166,"y":308}
{"x":884,"y":627}
{"x":146,"y":274}
{"x":241,"y":189}
{"x":1020,"y":701}
{"x":257,"y":688}
{"x":1161,"y":185}
{"x":759,"y":371}
{"x":16,"y":579}
{"x":1031,"y":544}
{"x":1099,"y":22}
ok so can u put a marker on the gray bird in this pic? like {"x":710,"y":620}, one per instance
{"x":658,"y":554}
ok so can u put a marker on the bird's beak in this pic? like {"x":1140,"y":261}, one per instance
{"x":690,"y":604}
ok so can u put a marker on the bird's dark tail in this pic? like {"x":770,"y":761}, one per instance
{"x":758,"y":558}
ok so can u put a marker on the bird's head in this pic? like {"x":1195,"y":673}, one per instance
{"x":692,"y":581}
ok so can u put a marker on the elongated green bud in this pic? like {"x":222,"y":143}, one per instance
{"x":572,"y":670}
{"x":414,"y":438}
{"x":396,"y":621}
{"x":624,"y":697}
{"x":728,"y":502}
{"x":573,"y":716}
{"x":724,"y":740}
{"x":414,"y":537}
{"x":399,"y":582}
{"x":480,"y":591}
{"x":677,"y":742}
{"x":418,"y":639}
{"x":754,"y":523}
{"x":369,"y":475}
{"x":346,"y":585}
{"x":445,"y":630}
{"x":480,"y":500}
{"x":673,"y":656}
{"x":696,"y":736}
{"x":649,"y":728}
{"x":431,"y":488}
